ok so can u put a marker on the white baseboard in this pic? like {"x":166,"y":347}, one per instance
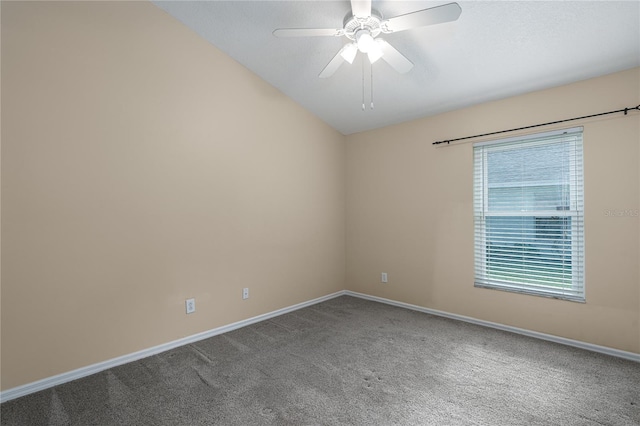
{"x":59,"y":379}
{"x":632,"y":356}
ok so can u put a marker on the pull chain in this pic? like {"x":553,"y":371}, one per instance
{"x":371,"y":86}
{"x":363,"y":107}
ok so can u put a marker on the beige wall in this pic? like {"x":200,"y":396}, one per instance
{"x":140,"y":167}
{"x":410,"y":213}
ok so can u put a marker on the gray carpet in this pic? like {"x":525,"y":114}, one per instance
{"x":350,"y":361}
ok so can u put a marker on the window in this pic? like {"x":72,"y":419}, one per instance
{"x":528,"y":209}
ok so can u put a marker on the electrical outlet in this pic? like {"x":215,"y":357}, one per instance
{"x":245,"y":293}
{"x":383,"y":277}
{"x":190,"y":304}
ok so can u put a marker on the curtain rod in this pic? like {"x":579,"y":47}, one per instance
{"x":625,"y":110}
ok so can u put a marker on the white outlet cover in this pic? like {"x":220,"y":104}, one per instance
{"x":190,"y":305}
{"x":245,"y":293}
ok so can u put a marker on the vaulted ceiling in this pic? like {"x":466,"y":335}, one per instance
{"x":495,"y":49}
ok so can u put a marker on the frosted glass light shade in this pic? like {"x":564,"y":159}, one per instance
{"x":349,"y":52}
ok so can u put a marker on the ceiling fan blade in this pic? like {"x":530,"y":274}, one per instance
{"x":361,"y":8}
{"x":333,"y":65}
{"x":394,"y":58}
{"x":307,"y":32}
{"x":434,"y":15}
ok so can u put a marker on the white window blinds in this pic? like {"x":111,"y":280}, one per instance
{"x":528,"y":209}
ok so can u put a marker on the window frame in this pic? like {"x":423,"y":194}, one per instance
{"x":575,"y":211}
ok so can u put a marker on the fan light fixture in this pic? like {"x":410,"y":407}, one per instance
{"x":367,"y":44}
{"x":375,"y":52}
{"x":349,"y":52}
{"x":364,"y":40}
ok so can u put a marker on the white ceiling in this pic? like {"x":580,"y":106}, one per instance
{"x":496,"y":49}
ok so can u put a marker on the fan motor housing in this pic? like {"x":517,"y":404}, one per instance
{"x":353,"y":24}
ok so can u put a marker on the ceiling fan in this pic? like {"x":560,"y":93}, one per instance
{"x":363,"y":24}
